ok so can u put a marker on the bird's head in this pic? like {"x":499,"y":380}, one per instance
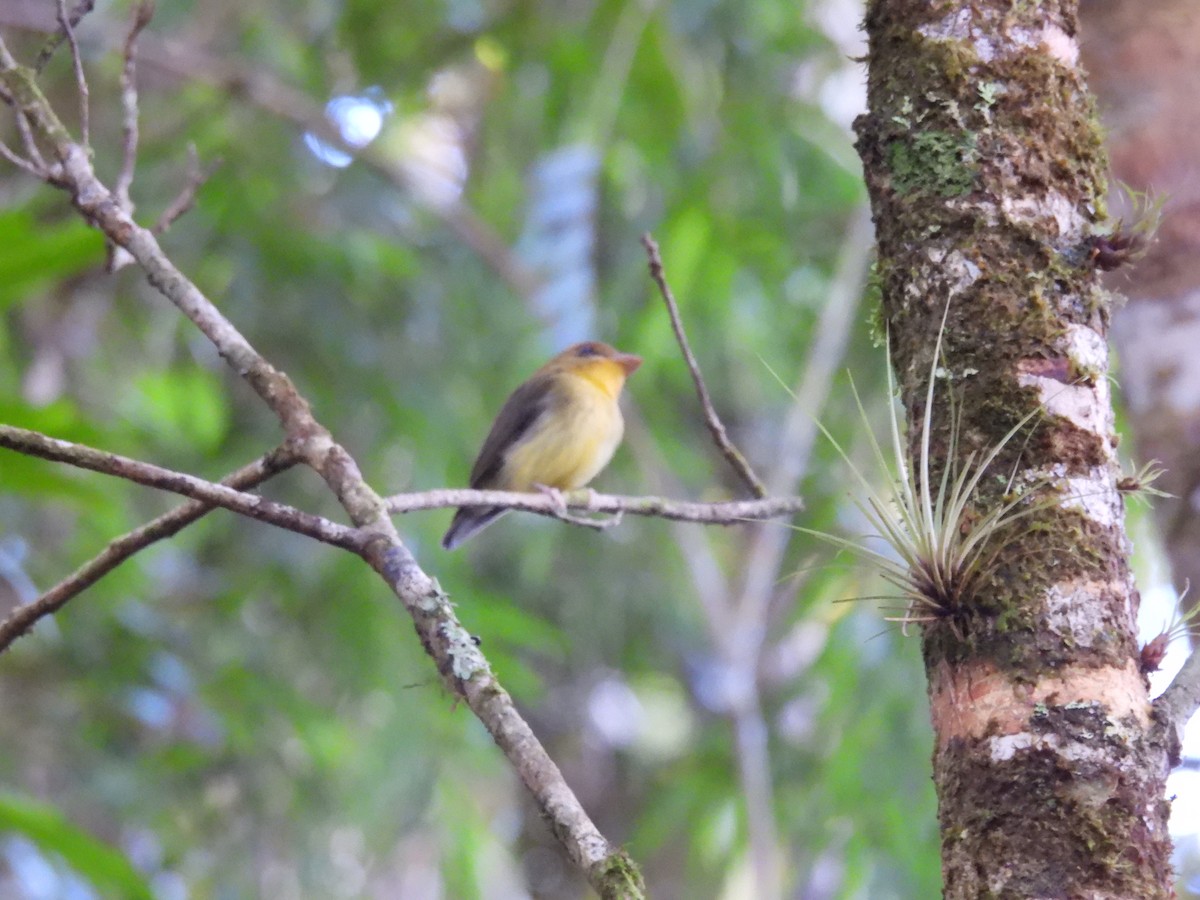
{"x":599,"y":363}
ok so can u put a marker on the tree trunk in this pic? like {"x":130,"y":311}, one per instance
{"x":984,"y":163}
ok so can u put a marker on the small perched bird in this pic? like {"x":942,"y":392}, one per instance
{"x":556,"y":431}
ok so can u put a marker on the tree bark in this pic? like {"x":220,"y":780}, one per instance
{"x":984,"y":163}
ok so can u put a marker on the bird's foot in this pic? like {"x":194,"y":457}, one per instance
{"x":560,"y":502}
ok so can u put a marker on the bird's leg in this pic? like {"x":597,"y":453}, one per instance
{"x":561,"y":511}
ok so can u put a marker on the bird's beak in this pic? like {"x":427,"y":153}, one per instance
{"x":628,"y":362}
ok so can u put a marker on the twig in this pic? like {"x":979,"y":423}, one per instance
{"x":51,"y":46}
{"x":464,"y":668}
{"x":1179,"y":702}
{"x":187,"y":196}
{"x":19,"y":161}
{"x":716,"y":429}
{"x":142,"y":12}
{"x":730,"y":512}
{"x":25,"y":616}
{"x":32,"y":443}
{"x":68,"y":28}
{"x":31,"y":147}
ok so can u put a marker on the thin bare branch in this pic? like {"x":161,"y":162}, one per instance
{"x":31,"y":147}
{"x":1179,"y":702}
{"x":51,"y":46}
{"x":68,"y":28}
{"x":19,"y":161}
{"x":140,"y":16}
{"x":711,"y":419}
{"x":730,"y":512}
{"x":186,"y":198}
{"x":31,"y":443}
{"x":24,"y":617}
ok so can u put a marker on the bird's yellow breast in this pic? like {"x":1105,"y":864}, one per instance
{"x":575,"y":440}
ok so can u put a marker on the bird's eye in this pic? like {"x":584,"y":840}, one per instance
{"x":587,"y":350}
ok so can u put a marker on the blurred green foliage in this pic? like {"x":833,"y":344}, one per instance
{"x":239,"y":713}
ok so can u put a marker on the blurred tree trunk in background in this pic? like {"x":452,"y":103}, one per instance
{"x":1144,"y":63}
{"x":984,"y":163}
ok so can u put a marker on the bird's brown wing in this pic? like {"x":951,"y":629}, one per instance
{"x":521,"y":410}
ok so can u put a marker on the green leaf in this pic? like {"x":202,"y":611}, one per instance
{"x":107,"y":869}
{"x":186,"y":407}
{"x":37,"y":253}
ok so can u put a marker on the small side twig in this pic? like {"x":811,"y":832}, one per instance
{"x":1178,"y":703}
{"x":139,"y":19}
{"x":143,"y":10}
{"x":19,"y":161}
{"x":186,"y":197}
{"x":51,"y":46}
{"x":32,"y":443}
{"x":68,"y":29}
{"x":24,"y":617}
{"x":31,"y":147}
{"x":715,"y":427}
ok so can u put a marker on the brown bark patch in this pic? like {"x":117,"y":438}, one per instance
{"x":976,"y":699}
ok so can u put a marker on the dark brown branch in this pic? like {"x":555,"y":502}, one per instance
{"x":31,"y":443}
{"x":711,"y":419}
{"x":732,"y":512}
{"x":25,"y":616}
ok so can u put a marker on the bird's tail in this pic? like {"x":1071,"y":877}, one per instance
{"x":469,"y":520}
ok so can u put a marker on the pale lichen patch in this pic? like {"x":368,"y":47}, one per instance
{"x":1095,"y":496}
{"x":1071,"y":610}
{"x":1048,"y":206}
{"x":1059,"y":44}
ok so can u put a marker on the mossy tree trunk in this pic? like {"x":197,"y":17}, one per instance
{"x":986,"y":174}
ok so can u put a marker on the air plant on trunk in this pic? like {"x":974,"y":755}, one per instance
{"x":944,"y":545}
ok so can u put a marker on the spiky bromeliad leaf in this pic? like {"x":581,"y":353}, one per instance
{"x":940,"y":554}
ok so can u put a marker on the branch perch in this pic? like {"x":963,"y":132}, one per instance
{"x":730,"y":512}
